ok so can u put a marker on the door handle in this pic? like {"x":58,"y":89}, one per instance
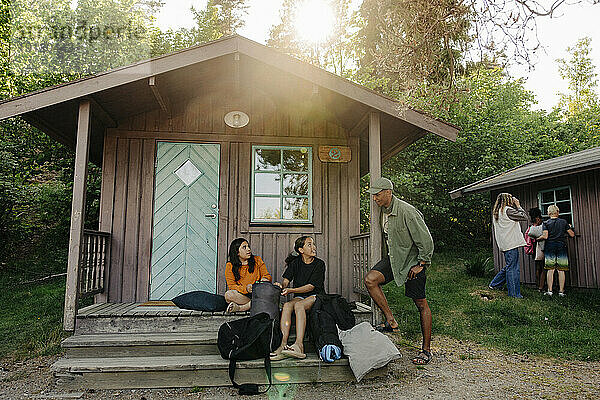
{"x":213,"y":216}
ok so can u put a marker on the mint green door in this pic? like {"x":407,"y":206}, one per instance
{"x":185,"y":223}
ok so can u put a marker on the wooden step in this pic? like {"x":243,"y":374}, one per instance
{"x":189,"y":371}
{"x":146,"y":344}
{"x":137,"y":318}
{"x":140,"y":344}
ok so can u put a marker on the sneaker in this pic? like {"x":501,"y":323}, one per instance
{"x":548,"y":294}
{"x":561,"y":294}
{"x":492,"y":288}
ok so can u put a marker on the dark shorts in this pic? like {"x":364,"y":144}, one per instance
{"x":413,"y":288}
{"x":248,"y":295}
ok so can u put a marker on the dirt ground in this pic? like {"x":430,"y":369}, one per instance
{"x":459,"y":370}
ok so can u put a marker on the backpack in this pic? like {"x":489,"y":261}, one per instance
{"x":247,"y":339}
{"x":529,"y":243}
{"x":329,"y":312}
{"x":265,"y":299}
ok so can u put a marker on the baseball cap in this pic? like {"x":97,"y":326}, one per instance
{"x":380,"y":184}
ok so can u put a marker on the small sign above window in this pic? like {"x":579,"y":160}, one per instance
{"x":340,"y":154}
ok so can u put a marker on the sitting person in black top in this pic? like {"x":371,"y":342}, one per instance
{"x":307,"y":272}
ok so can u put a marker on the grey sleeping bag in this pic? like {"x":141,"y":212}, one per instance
{"x":367,"y":349}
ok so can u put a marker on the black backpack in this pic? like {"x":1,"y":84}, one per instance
{"x":247,"y":339}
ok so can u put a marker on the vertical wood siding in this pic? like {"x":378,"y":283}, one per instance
{"x":128,"y":189}
{"x":584,"y":249}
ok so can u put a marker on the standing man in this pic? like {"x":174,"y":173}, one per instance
{"x":408,"y":248}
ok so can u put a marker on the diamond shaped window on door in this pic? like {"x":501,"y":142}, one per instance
{"x":188,"y":173}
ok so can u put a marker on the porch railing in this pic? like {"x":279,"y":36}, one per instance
{"x":360,"y":262}
{"x":93,"y":262}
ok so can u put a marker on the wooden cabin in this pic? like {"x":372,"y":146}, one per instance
{"x":570,"y":182}
{"x":223,"y":140}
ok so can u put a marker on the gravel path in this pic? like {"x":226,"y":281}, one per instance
{"x":459,"y":370}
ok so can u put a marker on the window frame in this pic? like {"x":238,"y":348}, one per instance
{"x":281,"y":196}
{"x":544,"y":206}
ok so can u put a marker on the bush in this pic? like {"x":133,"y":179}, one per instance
{"x":479,"y":265}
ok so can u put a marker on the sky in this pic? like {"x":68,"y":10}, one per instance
{"x":556,"y":34}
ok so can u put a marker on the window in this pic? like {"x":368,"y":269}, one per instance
{"x":281,"y":184}
{"x":561,"y":197}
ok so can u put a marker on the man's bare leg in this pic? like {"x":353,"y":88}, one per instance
{"x":373,"y":282}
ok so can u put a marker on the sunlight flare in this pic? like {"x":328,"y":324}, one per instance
{"x":314,"y":21}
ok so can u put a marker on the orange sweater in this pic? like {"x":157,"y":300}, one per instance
{"x":260,"y":272}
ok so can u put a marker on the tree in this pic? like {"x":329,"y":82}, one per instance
{"x":219,"y":18}
{"x":332,"y":53}
{"x":579,"y":71}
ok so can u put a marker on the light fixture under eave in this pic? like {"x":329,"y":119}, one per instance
{"x":237,"y":119}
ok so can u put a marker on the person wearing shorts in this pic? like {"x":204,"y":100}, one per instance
{"x":409,"y":247}
{"x":555,"y":249}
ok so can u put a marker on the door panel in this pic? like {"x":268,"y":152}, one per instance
{"x":184,"y":238}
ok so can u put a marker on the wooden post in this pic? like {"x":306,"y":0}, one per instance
{"x":77,"y":214}
{"x":375,"y":237}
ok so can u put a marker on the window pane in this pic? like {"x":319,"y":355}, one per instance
{"x":267,"y":184}
{"x":267,"y":160}
{"x":295,"y":160}
{"x":295,"y":209}
{"x":562,"y":194}
{"x":564,"y":207}
{"x":568,"y":218}
{"x":266,"y":208}
{"x":548,"y":197}
{"x":295,"y":184}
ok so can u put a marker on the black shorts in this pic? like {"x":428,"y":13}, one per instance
{"x":413,"y":288}
{"x":248,"y":295}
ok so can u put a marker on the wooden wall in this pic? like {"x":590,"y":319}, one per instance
{"x":584,"y":249}
{"x":128,"y":187}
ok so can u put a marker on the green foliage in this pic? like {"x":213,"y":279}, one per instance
{"x":579,"y":71}
{"x":479,"y":265}
{"x":565,"y":328}
{"x":30,"y":317}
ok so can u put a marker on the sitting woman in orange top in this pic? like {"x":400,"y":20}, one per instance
{"x":242,"y":270}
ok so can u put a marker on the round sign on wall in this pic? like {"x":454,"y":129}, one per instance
{"x":237,"y":119}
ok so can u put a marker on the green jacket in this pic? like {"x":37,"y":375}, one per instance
{"x":409,"y":240}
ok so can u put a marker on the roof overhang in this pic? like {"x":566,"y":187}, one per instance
{"x":182,"y":74}
{"x":533,"y":171}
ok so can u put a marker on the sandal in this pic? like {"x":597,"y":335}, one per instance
{"x":277,"y":356}
{"x":386,"y":327}
{"x":423,"y":358}
{"x":290,"y":351}
{"x":232,"y":307}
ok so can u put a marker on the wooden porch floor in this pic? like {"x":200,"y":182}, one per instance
{"x":104,"y":310}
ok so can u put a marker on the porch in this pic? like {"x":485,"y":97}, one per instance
{"x":153,"y":345}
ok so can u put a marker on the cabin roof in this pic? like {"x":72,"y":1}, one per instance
{"x":534,"y":171}
{"x":124,"y":92}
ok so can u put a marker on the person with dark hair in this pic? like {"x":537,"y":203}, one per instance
{"x":409,"y":248}
{"x":242,"y":270}
{"x":534,"y":232}
{"x":307,"y":273}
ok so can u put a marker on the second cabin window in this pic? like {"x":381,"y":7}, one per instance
{"x":281,"y":184}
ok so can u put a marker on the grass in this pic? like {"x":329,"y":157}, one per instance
{"x":567,"y":328}
{"x":30,"y":317}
